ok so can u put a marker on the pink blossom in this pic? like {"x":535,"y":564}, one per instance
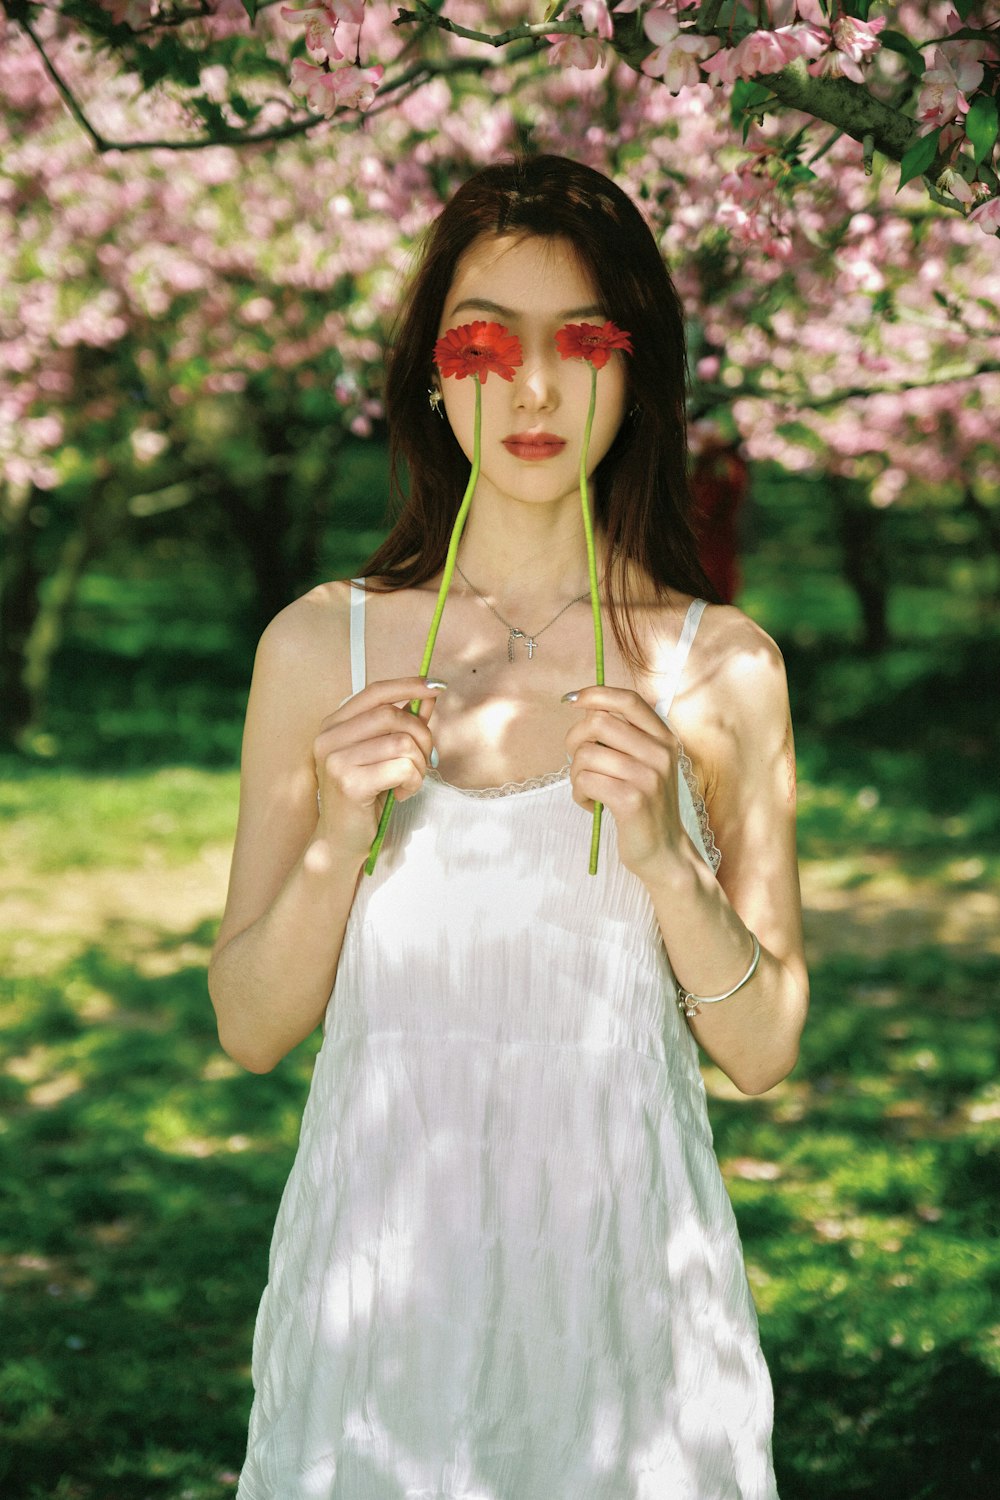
{"x":987,"y":216}
{"x":955,"y":185}
{"x":856,"y":40}
{"x":314,"y":85}
{"x":725,"y":66}
{"x":765,"y":52}
{"x":321,"y":22}
{"x":938,"y":104}
{"x":576,"y":51}
{"x":357,"y":87}
{"x":340,"y":88}
{"x":132,"y":13}
{"x":748,"y":208}
{"x":677,"y":54}
{"x":954,"y":74}
{"x":594,"y":15}
{"x":761,"y":52}
{"x":966,"y":53}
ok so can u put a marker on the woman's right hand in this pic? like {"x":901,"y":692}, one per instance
{"x":370,"y":745}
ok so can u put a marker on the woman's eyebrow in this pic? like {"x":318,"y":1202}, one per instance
{"x":512,"y":314}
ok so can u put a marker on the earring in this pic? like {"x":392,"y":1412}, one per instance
{"x":434,"y":399}
{"x":633,"y":412}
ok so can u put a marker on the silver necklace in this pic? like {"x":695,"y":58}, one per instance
{"x":514,"y":634}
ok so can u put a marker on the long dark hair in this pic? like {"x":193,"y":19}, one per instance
{"x":641,"y":495}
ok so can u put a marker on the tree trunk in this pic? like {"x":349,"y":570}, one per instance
{"x":861,"y":529}
{"x":19,"y":604}
{"x":988,"y":520}
{"x":97,"y":519}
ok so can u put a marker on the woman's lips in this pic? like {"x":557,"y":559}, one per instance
{"x":534,"y":445}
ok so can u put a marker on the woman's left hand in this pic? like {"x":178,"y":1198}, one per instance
{"x":625,"y":756}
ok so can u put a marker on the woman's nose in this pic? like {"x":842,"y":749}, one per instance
{"x":537,"y":380}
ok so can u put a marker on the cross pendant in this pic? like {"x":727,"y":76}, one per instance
{"x":519,"y":635}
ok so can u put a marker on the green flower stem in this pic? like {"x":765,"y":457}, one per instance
{"x":446,"y":577}
{"x":595,"y":601}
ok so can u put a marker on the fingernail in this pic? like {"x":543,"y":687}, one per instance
{"x":571,"y":697}
{"x":435,"y":682}
{"x":434,"y":757}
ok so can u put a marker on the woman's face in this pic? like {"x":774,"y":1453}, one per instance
{"x":533,"y":286}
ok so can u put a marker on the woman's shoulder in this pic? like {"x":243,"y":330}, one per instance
{"x":727,"y":645}
{"x":308,"y":621}
{"x":733,"y":694}
{"x":305,"y":646}
{"x":737,"y":651}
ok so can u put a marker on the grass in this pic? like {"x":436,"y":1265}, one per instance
{"x":142,"y":1170}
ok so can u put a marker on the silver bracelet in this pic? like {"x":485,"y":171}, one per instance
{"x":688,"y":1004}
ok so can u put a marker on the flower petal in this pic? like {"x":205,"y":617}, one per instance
{"x":478,"y":349}
{"x":592,"y":342}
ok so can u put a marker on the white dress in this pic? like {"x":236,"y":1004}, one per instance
{"x":505,"y":1266}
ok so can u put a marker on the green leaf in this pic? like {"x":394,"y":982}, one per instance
{"x":919,"y":158}
{"x":745,"y":101}
{"x":897,"y":42}
{"x":746,"y":93}
{"x":981,"y":126}
{"x":250,"y":6}
{"x":965,"y":8}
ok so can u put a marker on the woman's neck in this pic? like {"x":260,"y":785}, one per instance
{"x":534,"y":561}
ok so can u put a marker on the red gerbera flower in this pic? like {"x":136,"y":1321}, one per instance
{"x":478,"y":349}
{"x":591,"y":342}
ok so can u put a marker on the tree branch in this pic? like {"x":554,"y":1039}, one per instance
{"x":723,"y":395}
{"x":849,"y":106}
{"x":533,"y":31}
{"x":420,"y":73}
{"x":414,"y":76}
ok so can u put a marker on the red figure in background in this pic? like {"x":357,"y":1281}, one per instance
{"x":720,"y":480}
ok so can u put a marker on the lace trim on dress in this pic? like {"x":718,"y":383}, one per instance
{"x":508,"y":789}
{"x":511,"y":788}
{"x":700,"y":810}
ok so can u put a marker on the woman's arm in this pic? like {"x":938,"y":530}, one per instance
{"x":629,"y":761}
{"x":296,"y":864}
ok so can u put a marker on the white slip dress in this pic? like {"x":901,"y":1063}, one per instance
{"x":505,"y":1266}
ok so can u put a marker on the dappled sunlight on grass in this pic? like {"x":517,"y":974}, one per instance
{"x":59,"y":820}
{"x":870,"y":1228}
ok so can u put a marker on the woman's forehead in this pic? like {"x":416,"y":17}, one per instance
{"x":522,"y":274}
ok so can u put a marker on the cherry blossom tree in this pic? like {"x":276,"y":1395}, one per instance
{"x":163,"y":308}
{"x":914,"y":83}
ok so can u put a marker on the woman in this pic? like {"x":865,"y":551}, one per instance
{"x":505,"y":1266}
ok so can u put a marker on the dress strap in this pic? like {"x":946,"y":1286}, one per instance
{"x":675,"y":666}
{"x":357,"y":635}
